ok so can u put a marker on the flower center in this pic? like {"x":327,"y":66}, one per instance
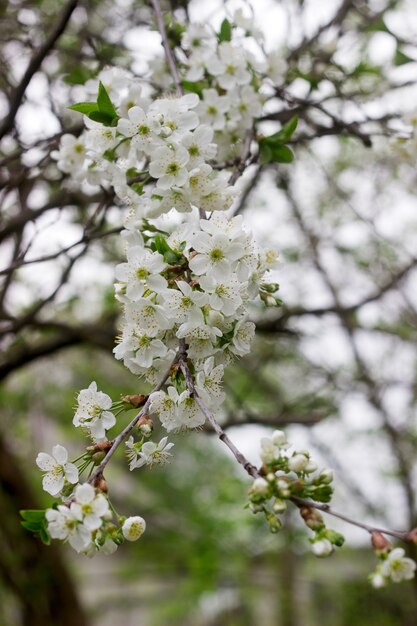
{"x":135,"y":530}
{"x":173,"y":168}
{"x":142,"y":273}
{"x":194,"y":150}
{"x":216,"y":254}
{"x":143,"y":130}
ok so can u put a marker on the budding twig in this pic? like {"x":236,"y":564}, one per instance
{"x":125,"y":432}
{"x":253,"y":471}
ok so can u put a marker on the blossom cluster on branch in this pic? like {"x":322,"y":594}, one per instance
{"x":171,"y":149}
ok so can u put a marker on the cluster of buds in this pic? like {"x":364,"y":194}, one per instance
{"x":288,"y":476}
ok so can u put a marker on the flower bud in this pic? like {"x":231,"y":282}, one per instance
{"x":310,"y":467}
{"x":133,"y":528}
{"x":274,"y":522}
{"x":377,"y":580}
{"x":145,"y":425}
{"x":298,"y":463}
{"x":334,"y":537}
{"x":312,"y":518}
{"x":380,"y":543}
{"x":136,"y":400}
{"x":101,"y":483}
{"x":282,"y":486}
{"x":412,"y":535}
{"x":270,"y":287}
{"x":260,"y":487}
{"x":322,"y":548}
{"x":326,"y":476}
{"x":267,"y":299}
{"x":279,"y":506}
{"x":97,"y":457}
{"x":279,"y":438}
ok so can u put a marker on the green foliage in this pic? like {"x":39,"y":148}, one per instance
{"x":272,"y":149}
{"x":225,"y":33}
{"x":35,"y":522}
{"x":102,"y":111}
{"x":196,"y":87}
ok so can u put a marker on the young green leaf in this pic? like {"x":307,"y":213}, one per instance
{"x":274,"y":153}
{"x":225,"y":33}
{"x":32,"y":515}
{"x":285,"y":134}
{"x":103,"y":118}
{"x":84,"y":107}
{"x":105,"y":105}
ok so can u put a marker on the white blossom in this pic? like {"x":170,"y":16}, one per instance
{"x":397,"y":566}
{"x":92,"y":412}
{"x":148,"y":453}
{"x":64,"y":524}
{"x":89,"y":507}
{"x":57,"y":469}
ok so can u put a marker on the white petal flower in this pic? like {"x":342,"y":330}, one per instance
{"x":92,"y":413}
{"x":168,"y":165}
{"x":56,"y":470}
{"x":150,"y":453}
{"x":64,"y":524}
{"x":89,"y":507}
{"x":397,"y":566}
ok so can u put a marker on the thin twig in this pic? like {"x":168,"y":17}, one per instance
{"x":168,"y":52}
{"x":254,"y":472}
{"x":125,"y":432}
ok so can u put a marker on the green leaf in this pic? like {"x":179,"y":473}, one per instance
{"x":271,"y":153}
{"x":32,"y":526}
{"x":171,"y":257}
{"x":103,"y":118}
{"x":161,"y":245}
{"x":225,"y":33}
{"x":32,"y":515}
{"x":105,"y":105}
{"x":110,"y":154}
{"x":84,"y":107}
{"x":401,"y":59}
{"x":44,"y":536}
{"x":285,"y":134}
{"x":138,"y":188}
{"x":194,"y":87}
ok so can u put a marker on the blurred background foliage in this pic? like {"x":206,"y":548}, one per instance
{"x":336,"y":363}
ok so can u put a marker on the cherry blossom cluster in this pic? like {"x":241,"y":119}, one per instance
{"x":85,"y":519}
{"x":185,"y":143}
{"x":286,"y":475}
{"x":191,"y":275}
{"x":201,"y":297}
